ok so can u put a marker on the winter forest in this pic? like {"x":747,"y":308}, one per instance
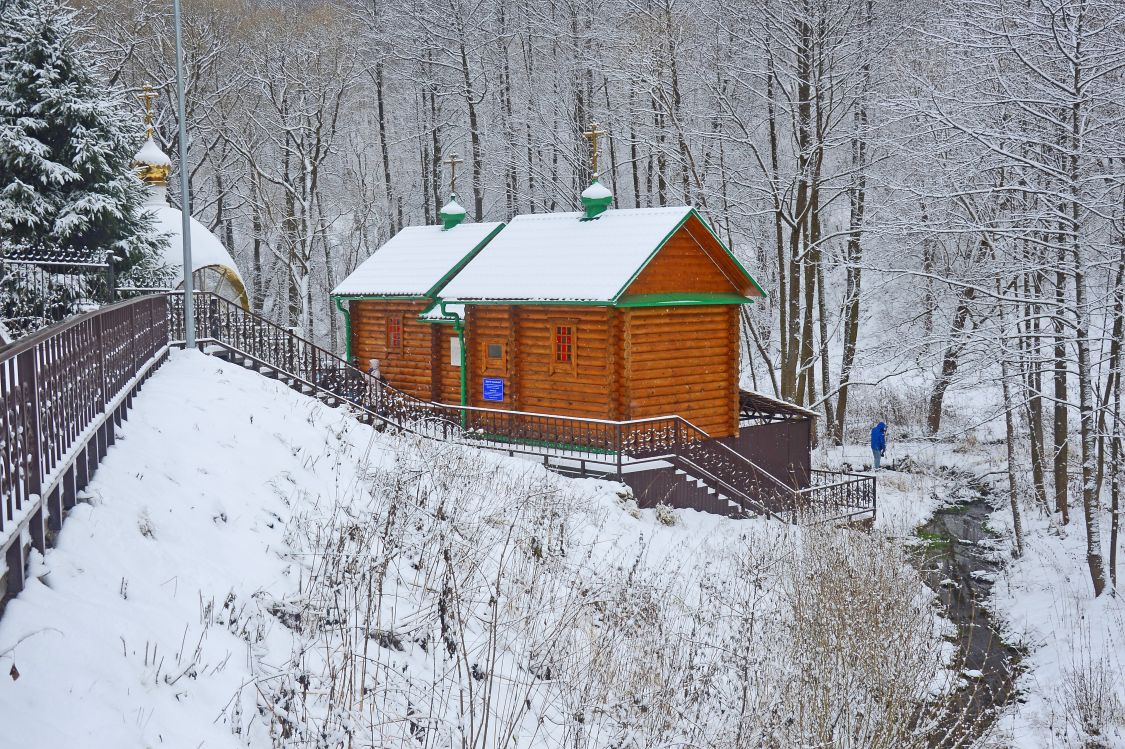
{"x":932,"y":195}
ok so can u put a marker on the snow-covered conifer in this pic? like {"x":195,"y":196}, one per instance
{"x":65,"y":144}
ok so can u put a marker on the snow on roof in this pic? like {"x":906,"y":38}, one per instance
{"x":548,"y":256}
{"x":597,"y":191}
{"x":150,"y":153}
{"x":453,"y":208}
{"x":206,"y":249}
{"x":452,"y":312}
{"x":415,"y":260}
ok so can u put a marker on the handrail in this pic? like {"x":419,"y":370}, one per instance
{"x":62,"y":391}
{"x":731,"y":489}
{"x":550,"y":435}
{"x":52,"y":331}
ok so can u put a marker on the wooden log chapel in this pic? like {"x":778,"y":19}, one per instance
{"x":607,"y":315}
{"x":614,"y":314}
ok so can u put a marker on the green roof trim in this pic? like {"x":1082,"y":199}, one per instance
{"x":433,"y":291}
{"x":545,"y":302}
{"x":395,"y":297}
{"x":446,"y":319}
{"x":680,"y":300}
{"x":691,"y":212}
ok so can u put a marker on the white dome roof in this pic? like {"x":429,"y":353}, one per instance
{"x":206,"y":249}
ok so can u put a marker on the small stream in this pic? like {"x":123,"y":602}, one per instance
{"x":960,"y":559}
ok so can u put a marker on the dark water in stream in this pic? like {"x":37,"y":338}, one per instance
{"x":960,"y":560}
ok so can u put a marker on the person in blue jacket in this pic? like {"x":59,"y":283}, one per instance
{"x":878,"y":444}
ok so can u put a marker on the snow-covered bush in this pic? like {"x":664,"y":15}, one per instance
{"x":666,"y":514}
{"x":446,"y":602}
{"x":66,"y":179}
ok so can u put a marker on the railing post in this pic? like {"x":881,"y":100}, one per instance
{"x":110,"y":281}
{"x":34,"y":485}
{"x":620,"y":445}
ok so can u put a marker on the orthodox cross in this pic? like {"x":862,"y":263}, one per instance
{"x":147,"y":96}
{"x":592,"y":135}
{"x":453,"y":161}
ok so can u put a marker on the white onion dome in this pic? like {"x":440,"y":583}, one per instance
{"x":152,"y":164}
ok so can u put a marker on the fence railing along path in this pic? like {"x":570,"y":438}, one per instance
{"x":64,"y":389}
{"x":62,"y":392}
{"x":587,"y":446}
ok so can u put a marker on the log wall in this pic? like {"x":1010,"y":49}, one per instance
{"x":448,"y":376}
{"x":681,"y":267}
{"x":531,"y":380}
{"x":684,"y":361}
{"x":409,"y":369}
{"x":691,"y":261}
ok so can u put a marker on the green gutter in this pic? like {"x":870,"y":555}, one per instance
{"x":459,"y":326}
{"x":396,"y":297}
{"x":547,"y":302}
{"x":347,"y":329}
{"x":680,"y":300}
{"x":628,"y":300}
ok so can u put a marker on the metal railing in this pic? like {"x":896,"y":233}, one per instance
{"x":41,"y":291}
{"x":837,"y":496}
{"x":611,"y":446}
{"x":62,"y":390}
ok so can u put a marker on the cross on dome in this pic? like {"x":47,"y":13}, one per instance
{"x":452,"y":163}
{"x":452,"y":213}
{"x":152,"y":164}
{"x":596,"y":198}
{"x":592,"y":135}
{"x":147,"y":96}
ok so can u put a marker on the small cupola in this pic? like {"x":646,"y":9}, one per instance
{"x":452,"y":213}
{"x":597,"y":197}
{"x":152,"y":164}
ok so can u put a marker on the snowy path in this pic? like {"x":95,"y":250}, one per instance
{"x":136,"y":629}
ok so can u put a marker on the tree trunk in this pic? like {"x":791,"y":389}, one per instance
{"x":1010,"y":433}
{"x":949,"y":360}
{"x":1060,"y":445}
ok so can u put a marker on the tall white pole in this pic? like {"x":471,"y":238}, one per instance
{"x":185,"y":198}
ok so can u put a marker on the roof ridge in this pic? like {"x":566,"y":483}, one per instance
{"x":647,"y":210}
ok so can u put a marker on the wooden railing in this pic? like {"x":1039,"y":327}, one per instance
{"x":62,"y":391}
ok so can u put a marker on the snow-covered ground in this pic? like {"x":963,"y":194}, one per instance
{"x":1072,"y":682}
{"x":1074,"y":686}
{"x":240,"y":540}
{"x":253,"y":568}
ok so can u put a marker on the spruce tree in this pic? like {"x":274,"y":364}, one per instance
{"x":66,"y":144}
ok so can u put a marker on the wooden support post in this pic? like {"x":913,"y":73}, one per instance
{"x":55,"y":509}
{"x":68,"y":488}
{"x":16,"y":562}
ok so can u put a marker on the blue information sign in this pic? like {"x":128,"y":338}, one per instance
{"x":493,"y":389}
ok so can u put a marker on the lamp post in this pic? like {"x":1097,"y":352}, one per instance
{"x":185,"y":199}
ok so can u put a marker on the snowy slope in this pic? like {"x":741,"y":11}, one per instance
{"x":241,"y":540}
